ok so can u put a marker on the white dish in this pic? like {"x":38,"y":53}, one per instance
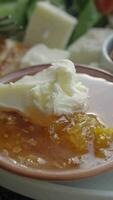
{"x":106,"y":61}
{"x":100,"y":97}
{"x":94,"y":188}
{"x":99,"y":187}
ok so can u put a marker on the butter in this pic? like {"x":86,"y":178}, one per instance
{"x":49,"y":25}
{"x":53,"y":91}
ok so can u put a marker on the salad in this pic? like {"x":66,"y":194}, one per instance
{"x":73,"y":29}
{"x":90,"y":13}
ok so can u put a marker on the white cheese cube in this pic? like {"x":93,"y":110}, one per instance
{"x":41,"y":54}
{"x":49,"y":25}
{"x":88,"y":48}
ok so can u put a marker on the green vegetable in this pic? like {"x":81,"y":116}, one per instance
{"x":7,"y":1}
{"x":31,"y":8}
{"x":88,"y":17}
{"x":20,"y":12}
{"x":7,"y":8}
{"x":74,"y":7}
{"x":59,"y":3}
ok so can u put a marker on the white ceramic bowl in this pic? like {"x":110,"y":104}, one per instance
{"x":99,"y":103}
{"x":89,"y":188}
{"x":106,"y":61}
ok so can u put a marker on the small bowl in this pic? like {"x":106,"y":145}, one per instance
{"x":106,"y":61}
{"x":98,"y":106}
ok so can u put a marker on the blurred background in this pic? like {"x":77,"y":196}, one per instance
{"x":37,"y":32}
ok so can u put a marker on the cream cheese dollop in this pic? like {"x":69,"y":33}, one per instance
{"x":53,"y":91}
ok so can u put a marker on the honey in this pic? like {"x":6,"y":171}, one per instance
{"x":67,"y":142}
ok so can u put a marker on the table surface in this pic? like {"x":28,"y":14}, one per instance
{"x":8,"y":195}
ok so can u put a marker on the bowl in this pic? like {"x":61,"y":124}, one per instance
{"x":106,"y":61}
{"x":99,"y":84}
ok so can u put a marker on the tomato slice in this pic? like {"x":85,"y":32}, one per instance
{"x":104,"y":6}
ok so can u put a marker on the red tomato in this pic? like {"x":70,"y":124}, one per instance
{"x":104,"y":6}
